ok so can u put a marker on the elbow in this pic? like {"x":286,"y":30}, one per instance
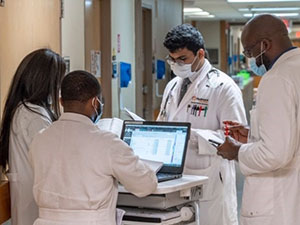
{"x":147,"y":187}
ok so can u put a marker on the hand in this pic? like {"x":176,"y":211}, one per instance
{"x":237,"y":131}
{"x":229,"y":149}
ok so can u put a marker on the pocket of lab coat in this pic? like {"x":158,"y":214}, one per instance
{"x":258,"y":197}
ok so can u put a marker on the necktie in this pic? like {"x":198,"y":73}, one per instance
{"x":184,"y":87}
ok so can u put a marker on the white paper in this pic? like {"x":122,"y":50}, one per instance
{"x":113,"y":125}
{"x":119,"y":216}
{"x":204,"y":146}
{"x":153,"y":165}
{"x":133,"y":115}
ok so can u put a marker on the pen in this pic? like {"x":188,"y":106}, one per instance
{"x":214,"y":143}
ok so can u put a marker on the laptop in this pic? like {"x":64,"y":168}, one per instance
{"x":159,"y":141}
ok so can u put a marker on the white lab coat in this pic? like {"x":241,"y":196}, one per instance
{"x":224,"y":101}
{"x":271,"y":162}
{"x":25,"y":125}
{"x":76,"y":172}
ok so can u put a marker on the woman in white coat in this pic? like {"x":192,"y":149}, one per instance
{"x":77,"y":166}
{"x":211,"y":98}
{"x":32,"y":104}
{"x":270,"y":160}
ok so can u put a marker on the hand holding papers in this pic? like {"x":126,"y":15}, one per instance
{"x":205,"y":138}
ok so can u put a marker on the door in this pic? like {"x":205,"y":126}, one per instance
{"x":147,"y":86}
{"x":26,"y":25}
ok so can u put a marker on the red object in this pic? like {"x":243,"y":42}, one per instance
{"x":226,"y":130}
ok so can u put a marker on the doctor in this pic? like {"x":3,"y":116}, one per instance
{"x":77,"y":167}
{"x":271,"y":158}
{"x":211,"y":97}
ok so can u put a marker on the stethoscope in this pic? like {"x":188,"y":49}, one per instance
{"x":210,"y":75}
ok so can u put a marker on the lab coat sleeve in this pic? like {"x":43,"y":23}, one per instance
{"x":132,"y":173}
{"x":277,"y":133}
{"x":37,"y":124}
{"x":231,"y":107}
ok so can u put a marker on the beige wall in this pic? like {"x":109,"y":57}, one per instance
{"x":165,"y":15}
{"x":123,"y":25}
{"x":72,"y":33}
{"x":210,"y":31}
{"x":26,"y":25}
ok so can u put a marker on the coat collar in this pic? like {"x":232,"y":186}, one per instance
{"x":76,"y":117}
{"x":285,"y":56}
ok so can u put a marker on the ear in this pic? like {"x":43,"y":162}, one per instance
{"x":267,"y":44}
{"x":201,"y":53}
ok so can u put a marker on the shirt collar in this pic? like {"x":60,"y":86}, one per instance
{"x":68,"y":116}
{"x":273,"y":62}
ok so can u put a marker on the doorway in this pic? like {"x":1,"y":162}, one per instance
{"x":147,"y":85}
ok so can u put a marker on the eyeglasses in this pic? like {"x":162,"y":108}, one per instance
{"x":172,"y":61}
{"x":248,"y":52}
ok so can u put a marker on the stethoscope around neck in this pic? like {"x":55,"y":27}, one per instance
{"x":213,"y":73}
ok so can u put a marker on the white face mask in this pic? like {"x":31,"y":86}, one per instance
{"x":185,"y":70}
{"x":99,"y":111}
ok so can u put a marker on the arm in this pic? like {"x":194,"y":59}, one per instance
{"x":136,"y":177}
{"x":277,"y":128}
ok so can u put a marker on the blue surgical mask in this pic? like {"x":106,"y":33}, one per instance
{"x":258,"y":70}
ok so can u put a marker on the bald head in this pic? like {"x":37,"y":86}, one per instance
{"x":265,"y":33}
{"x":265,"y":26}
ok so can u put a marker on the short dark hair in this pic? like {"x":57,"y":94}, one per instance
{"x":184,"y":36}
{"x":80,"y":86}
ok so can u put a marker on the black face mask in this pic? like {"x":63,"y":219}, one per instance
{"x":98,"y":111}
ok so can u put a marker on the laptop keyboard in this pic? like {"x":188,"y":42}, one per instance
{"x":166,"y":176}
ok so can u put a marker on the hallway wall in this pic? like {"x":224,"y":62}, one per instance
{"x":165,"y":15}
{"x":72,"y":33}
{"x":26,"y":25}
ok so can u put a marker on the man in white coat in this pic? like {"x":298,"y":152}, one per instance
{"x":77,"y":166}
{"x":271,"y":158}
{"x":211,"y":97}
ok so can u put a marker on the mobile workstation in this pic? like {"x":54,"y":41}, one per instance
{"x":173,"y":202}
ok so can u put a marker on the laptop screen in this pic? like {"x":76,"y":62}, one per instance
{"x":159,"y":141}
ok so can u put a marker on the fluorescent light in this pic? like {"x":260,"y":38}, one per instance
{"x":192,"y":10}
{"x":204,"y":13}
{"x":269,"y":9}
{"x":275,"y":14}
{"x":201,"y":16}
{"x":259,"y":1}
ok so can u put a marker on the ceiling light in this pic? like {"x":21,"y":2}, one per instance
{"x":269,"y":9}
{"x":204,"y":13}
{"x":201,"y":17}
{"x":260,"y":1}
{"x":192,"y":10}
{"x":275,"y":14}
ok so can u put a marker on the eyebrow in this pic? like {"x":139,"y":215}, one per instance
{"x":179,"y":57}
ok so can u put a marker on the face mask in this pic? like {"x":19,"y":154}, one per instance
{"x":185,"y":70}
{"x":258,"y":70}
{"x":99,"y":111}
